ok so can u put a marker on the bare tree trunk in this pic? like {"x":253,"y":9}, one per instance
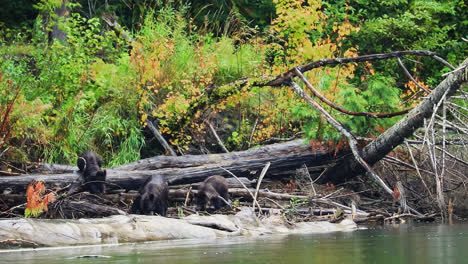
{"x":56,"y":32}
{"x":347,"y":168}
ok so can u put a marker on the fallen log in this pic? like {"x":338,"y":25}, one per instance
{"x":284,"y":158}
{"x":347,"y":167}
{"x":188,"y":161}
{"x":135,"y":228}
{"x":298,"y":146}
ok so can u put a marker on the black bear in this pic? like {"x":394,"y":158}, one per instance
{"x":214,"y":189}
{"x":152,"y":197}
{"x":94,"y":178}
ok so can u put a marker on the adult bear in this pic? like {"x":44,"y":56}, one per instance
{"x":94,"y":178}
{"x":152,"y":197}
{"x":214,"y":189}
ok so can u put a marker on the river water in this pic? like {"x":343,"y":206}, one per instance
{"x":408,"y":243}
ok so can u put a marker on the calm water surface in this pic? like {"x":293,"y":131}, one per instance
{"x":391,"y":244}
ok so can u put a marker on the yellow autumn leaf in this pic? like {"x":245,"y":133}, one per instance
{"x":143,"y":117}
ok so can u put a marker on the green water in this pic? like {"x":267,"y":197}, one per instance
{"x":391,"y":244}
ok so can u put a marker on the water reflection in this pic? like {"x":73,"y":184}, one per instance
{"x":390,"y":244}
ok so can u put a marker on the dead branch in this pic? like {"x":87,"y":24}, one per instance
{"x":160,"y":138}
{"x":220,"y":142}
{"x":347,"y":168}
{"x":331,"y":120}
{"x":411,"y":76}
{"x":343,"y":110}
{"x":285,"y":77}
{"x":260,"y":178}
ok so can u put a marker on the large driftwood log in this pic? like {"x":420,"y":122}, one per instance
{"x":137,"y":228}
{"x":348,"y":167}
{"x":284,"y":158}
{"x":269,"y":151}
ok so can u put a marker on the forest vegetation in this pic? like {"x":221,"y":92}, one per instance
{"x":71,"y":82}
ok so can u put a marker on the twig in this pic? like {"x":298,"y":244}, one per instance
{"x":397,"y":161}
{"x":188,"y":196}
{"x":432,"y":153}
{"x":260,"y":178}
{"x":310,"y":178}
{"x":213,"y":131}
{"x":252,"y":133}
{"x":330,"y":194}
{"x":243,"y":185}
{"x":449,"y":154}
{"x":454,"y":70}
{"x":12,"y":208}
{"x":275,"y":202}
{"x":410,"y":215}
{"x":3,"y":152}
{"x":276,"y":139}
{"x":417,"y":168}
{"x":411,"y":77}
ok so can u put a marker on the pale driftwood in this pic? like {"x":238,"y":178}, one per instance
{"x":298,"y":147}
{"x":137,"y":228}
{"x":260,"y":178}
{"x":261,"y":193}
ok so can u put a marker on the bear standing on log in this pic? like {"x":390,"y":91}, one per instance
{"x":94,"y":178}
{"x":152,"y":197}
{"x":215,"y":190}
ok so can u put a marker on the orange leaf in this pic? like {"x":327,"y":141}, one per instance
{"x":48,"y":198}
{"x":396,"y":193}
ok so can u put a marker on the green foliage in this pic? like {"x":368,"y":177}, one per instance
{"x":69,"y":105}
{"x":378,"y":96}
{"x":294,"y":205}
{"x":174,"y":69}
{"x":180,"y":212}
{"x":92,"y":91}
{"x":404,"y":25}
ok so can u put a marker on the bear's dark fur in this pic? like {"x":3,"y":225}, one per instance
{"x":152,"y":197}
{"x":94,"y":178}
{"x":210,"y":190}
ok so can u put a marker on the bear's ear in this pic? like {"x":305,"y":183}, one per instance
{"x":81,"y":163}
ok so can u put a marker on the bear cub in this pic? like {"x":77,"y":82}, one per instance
{"x":94,"y":178}
{"x":213,"y":189}
{"x":152,"y":197}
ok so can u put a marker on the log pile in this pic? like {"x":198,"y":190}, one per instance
{"x":275,"y":192}
{"x":285,"y":159}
